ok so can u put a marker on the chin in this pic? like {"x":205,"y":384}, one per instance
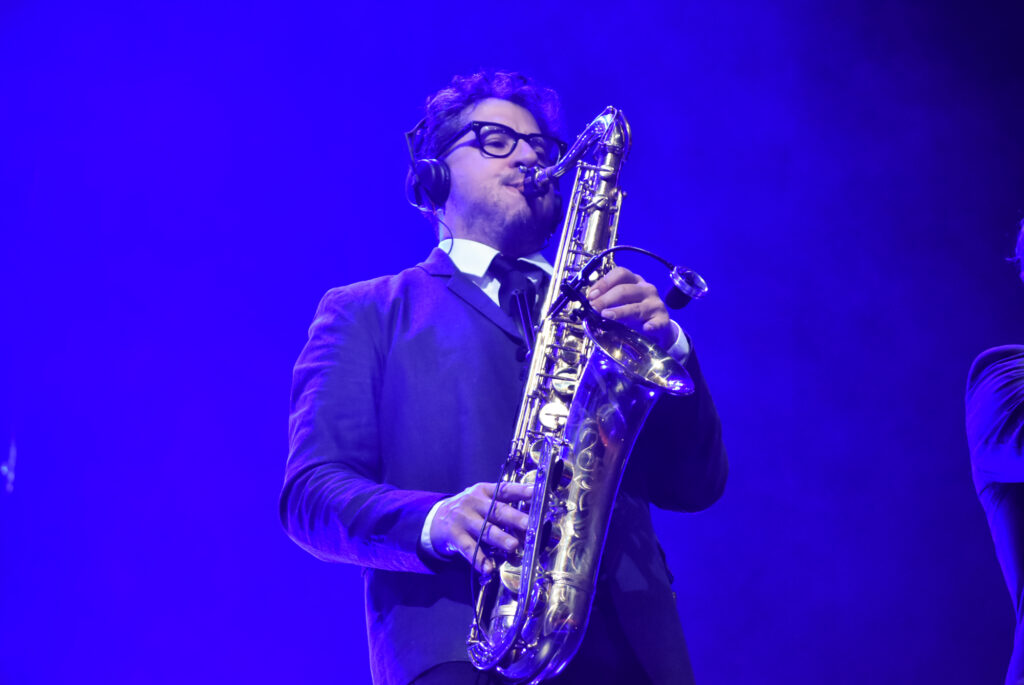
{"x":515,"y":225}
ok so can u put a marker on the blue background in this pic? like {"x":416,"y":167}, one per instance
{"x":180,"y":182}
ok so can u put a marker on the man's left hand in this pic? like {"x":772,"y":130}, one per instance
{"x":621,"y":295}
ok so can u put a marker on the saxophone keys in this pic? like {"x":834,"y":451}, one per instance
{"x":536,"y":453}
{"x":510,"y":578}
{"x":561,"y":474}
{"x":531,"y":631}
{"x":553,"y":415}
{"x":564,"y":380}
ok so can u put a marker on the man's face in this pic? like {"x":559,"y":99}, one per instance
{"x":487,"y":203}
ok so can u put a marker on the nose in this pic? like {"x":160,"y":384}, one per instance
{"x":524,"y":154}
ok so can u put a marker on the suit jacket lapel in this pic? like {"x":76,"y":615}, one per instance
{"x":439,"y":264}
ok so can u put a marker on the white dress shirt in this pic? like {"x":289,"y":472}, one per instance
{"x":473,"y":259}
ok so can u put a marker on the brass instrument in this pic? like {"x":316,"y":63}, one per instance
{"x":590,"y":386}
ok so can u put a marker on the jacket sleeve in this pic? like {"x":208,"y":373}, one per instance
{"x":679,"y":460}
{"x":995,"y":415}
{"x":333,"y":503}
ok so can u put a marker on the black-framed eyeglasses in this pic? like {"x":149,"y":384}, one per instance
{"x":498,"y":140}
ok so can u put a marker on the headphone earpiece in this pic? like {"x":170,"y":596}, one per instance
{"x":431,"y":182}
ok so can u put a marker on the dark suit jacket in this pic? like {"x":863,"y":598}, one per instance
{"x":995,"y":434}
{"x":406,"y":393}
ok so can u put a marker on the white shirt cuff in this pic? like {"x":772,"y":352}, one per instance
{"x":680,"y":349}
{"x":425,"y":533}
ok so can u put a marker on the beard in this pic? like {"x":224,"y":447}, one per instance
{"x":508,"y":221}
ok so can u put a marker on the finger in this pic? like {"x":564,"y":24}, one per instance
{"x":494,"y":534}
{"x":493,"y":539}
{"x":625,"y":293}
{"x":634,"y":313}
{"x":661,"y":331}
{"x":509,"y":492}
{"x":467,"y":546}
{"x":510,"y":518}
{"x":616,"y":276}
{"x":503,"y":518}
{"x":656,"y":322}
{"x":496,"y":537}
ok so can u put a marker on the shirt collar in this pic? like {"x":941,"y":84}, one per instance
{"x":473,"y":258}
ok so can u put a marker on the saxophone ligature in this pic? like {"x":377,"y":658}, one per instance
{"x":590,"y":385}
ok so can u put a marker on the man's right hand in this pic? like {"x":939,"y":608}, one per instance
{"x":458,"y":520}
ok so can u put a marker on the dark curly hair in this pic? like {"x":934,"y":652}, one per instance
{"x":445,"y":108}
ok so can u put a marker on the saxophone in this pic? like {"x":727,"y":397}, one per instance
{"x":590,"y":386}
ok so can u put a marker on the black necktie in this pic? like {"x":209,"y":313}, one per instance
{"x":517,"y":294}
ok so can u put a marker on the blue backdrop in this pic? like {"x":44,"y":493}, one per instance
{"x":180,"y":182}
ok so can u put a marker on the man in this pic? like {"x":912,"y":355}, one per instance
{"x":403,"y":406}
{"x":995,"y":434}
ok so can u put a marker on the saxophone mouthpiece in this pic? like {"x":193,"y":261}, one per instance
{"x":535,"y":181}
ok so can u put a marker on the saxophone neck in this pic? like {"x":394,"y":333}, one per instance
{"x":608,"y":129}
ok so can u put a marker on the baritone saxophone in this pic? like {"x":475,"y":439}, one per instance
{"x":590,"y":386}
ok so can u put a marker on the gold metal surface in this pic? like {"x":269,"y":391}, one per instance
{"x":588,"y":392}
